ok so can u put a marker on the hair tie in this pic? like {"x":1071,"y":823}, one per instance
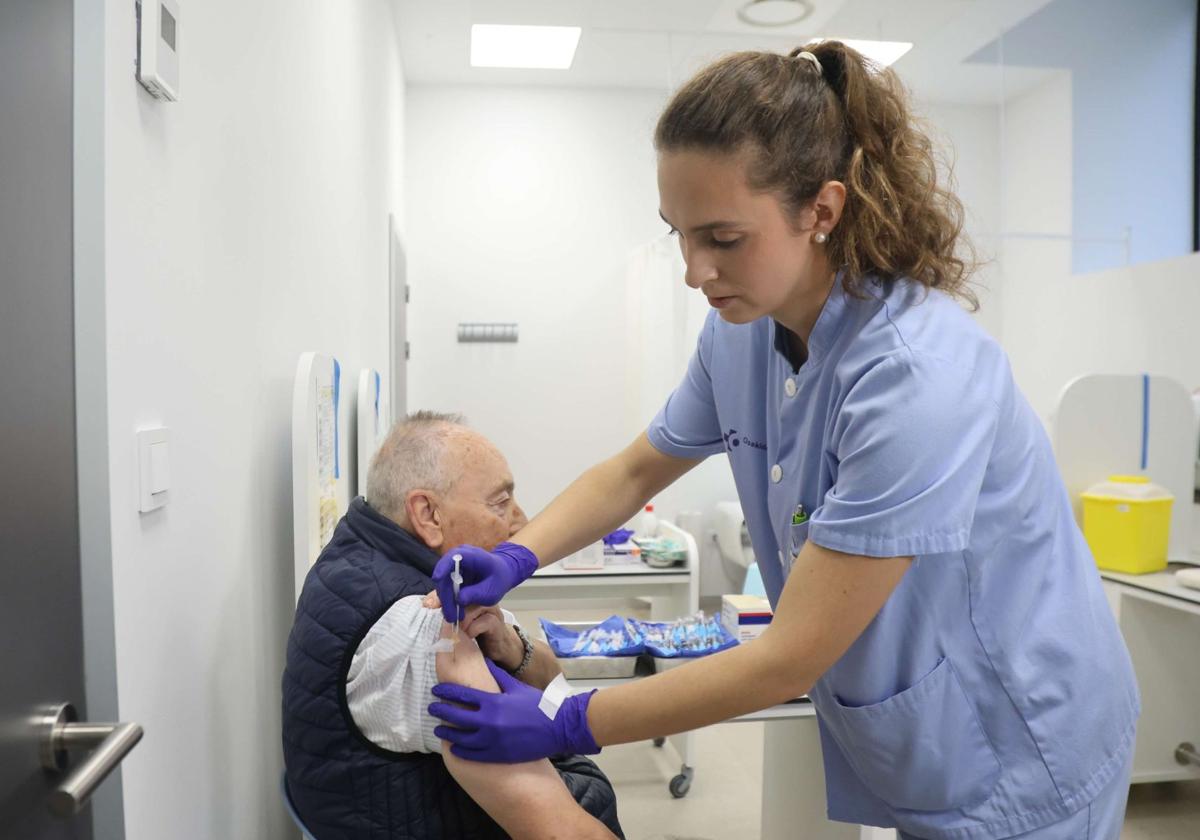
{"x":807,"y":56}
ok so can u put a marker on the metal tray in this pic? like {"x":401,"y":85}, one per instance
{"x":592,"y":667}
{"x":662,"y":663}
{"x":665,"y":663}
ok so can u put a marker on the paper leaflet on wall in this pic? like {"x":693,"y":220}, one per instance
{"x":326,"y":453}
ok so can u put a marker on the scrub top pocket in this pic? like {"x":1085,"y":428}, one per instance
{"x":922,"y":749}
{"x":797,"y":537}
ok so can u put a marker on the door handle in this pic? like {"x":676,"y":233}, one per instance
{"x":108,"y":742}
{"x":1185,"y":753}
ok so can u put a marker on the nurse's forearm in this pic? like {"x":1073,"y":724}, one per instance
{"x":600,"y":500}
{"x":706,"y":691}
{"x":829,"y":599}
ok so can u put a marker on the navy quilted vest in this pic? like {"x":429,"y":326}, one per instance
{"x":344,"y":786}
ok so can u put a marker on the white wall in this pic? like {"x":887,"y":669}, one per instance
{"x":245,"y":224}
{"x":523,"y":206}
{"x":1135,"y":319}
{"x":1036,"y":219}
{"x":968,"y":140}
{"x":1059,"y":325}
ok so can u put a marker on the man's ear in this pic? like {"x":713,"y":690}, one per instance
{"x":424,"y":518}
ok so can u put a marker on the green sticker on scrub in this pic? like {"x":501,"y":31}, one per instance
{"x":800,"y":516}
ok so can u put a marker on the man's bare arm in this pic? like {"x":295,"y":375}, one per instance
{"x":528,"y":800}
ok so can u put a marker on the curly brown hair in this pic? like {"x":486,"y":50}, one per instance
{"x":848,"y":120}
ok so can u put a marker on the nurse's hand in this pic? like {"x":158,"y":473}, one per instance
{"x":509,"y":727}
{"x":487,"y":575}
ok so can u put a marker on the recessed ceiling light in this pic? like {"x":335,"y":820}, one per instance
{"x":883,"y":53}
{"x":532,"y":47}
{"x":774,"y":12}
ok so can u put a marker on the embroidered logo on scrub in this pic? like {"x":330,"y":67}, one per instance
{"x":800,"y":516}
{"x":732,"y":441}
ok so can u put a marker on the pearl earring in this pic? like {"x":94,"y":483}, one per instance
{"x":820,"y":237}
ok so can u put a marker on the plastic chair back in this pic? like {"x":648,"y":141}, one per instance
{"x":291,"y":809}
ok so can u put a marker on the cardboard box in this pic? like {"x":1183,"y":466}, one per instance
{"x":745,"y":616}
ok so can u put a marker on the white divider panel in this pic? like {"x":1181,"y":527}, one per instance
{"x":1109,"y":424}
{"x":373,"y":420}
{"x":319,"y":481}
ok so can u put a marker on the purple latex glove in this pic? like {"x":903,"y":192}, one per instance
{"x":509,"y":727}
{"x":621,"y":535}
{"x":487,"y":575}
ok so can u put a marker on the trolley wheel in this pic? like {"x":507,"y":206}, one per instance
{"x":681,"y":784}
{"x":658,"y":742}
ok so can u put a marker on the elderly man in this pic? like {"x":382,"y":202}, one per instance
{"x":362,"y":759}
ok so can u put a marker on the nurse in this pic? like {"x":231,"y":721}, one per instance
{"x":932,"y":592}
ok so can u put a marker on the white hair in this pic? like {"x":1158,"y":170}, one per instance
{"x":412,"y":457}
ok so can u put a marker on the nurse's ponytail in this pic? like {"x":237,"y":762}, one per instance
{"x":826,"y":113}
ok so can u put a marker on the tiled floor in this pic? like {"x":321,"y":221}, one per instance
{"x":724,"y":799}
{"x":1163,"y":812}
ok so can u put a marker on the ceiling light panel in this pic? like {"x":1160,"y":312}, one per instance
{"x":529,"y":47}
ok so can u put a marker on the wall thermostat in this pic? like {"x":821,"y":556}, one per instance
{"x":158,"y":47}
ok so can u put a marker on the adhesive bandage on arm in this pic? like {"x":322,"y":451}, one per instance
{"x":554,"y":695}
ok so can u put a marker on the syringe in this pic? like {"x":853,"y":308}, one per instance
{"x":456,"y":579}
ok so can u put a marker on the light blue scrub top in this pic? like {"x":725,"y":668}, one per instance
{"x":993,"y":693}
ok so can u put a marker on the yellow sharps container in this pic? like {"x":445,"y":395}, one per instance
{"x":1126,"y":521}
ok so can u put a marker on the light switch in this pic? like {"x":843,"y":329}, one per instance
{"x":160,"y":468}
{"x":154,"y":468}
